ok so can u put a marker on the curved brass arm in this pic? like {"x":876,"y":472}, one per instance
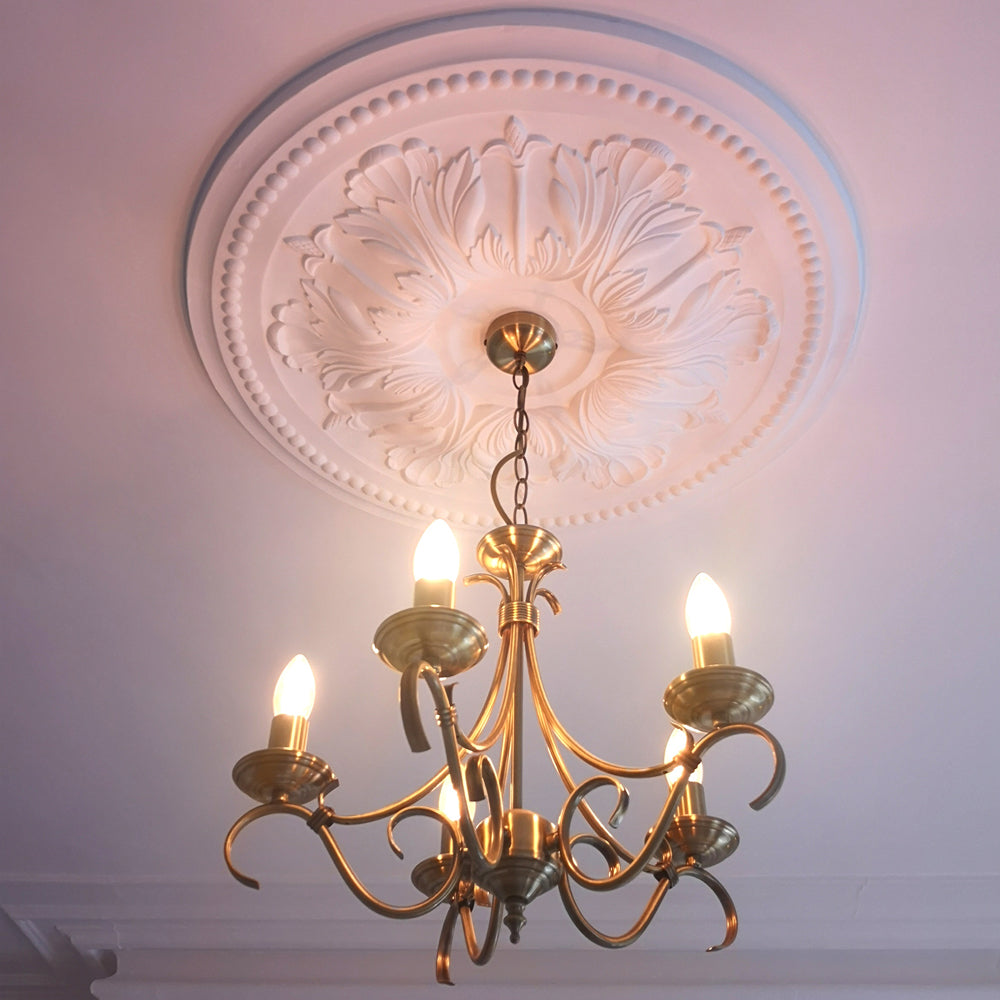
{"x":442,"y":960}
{"x":340,"y":862}
{"x":587,"y":929}
{"x":735,"y":729}
{"x":605,"y":849}
{"x":559,"y":764}
{"x":536,"y":583}
{"x":484,"y":774}
{"x":548,"y":719}
{"x":250,"y":816}
{"x":358,"y":819}
{"x":638,"y":864}
{"x":420,"y":811}
{"x":461,"y":905}
{"x":481,"y":955}
{"x":732,"y":921}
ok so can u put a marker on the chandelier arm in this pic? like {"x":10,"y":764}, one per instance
{"x":442,"y":960}
{"x":434,"y":814}
{"x":250,"y":816}
{"x":340,"y":862}
{"x":487,"y":578}
{"x":605,"y":849}
{"x":359,"y":819}
{"x":536,"y":581}
{"x":587,"y":929}
{"x":499,"y":675}
{"x":417,"y":794}
{"x":447,"y":723}
{"x":654,"y":840}
{"x":548,"y":717}
{"x":567,"y":779}
{"x":737,"y":728}
{"x":370,"y":900}
{"x":515,"y":572}
{"x":728,"y":907}
{"x":482,"y":776}
{"x":518,"y":644}
{"x":482,"y":955}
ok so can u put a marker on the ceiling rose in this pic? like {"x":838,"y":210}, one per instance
{"x":684,"y":232}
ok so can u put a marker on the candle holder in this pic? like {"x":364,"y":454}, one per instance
{"x":446,"y":639}
{"x":707,"y":697}
{"x":279,"y":774}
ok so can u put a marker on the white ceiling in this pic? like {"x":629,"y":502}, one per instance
{"x":160,"y":566}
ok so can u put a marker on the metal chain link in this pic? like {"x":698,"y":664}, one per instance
{"x":521,"y":424}
{"x":519,"y":456}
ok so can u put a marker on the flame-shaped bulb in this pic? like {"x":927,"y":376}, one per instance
{"x":707,"y":610}
{"x":435,"y":566}
{"x":295,"y":692}
{"x":709,"y":623}
{"x":448,"y":802}
{"x":294,"y":695}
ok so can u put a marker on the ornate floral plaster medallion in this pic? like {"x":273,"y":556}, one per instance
{"x":685,"y":233}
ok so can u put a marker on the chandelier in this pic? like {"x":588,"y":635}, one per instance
{"x":515,"y":854}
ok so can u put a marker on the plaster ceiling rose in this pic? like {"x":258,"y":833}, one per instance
{"x":683,"y":230}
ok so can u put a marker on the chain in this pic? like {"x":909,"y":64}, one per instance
{"x":519,"y":456}
{"x":521,"y":425}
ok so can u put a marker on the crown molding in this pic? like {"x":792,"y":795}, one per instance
{"x":843,"y":933}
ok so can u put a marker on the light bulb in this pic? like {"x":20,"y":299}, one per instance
{"x":436,"y":555}
{"x":707,"y":611}
{"x":676,"y":742}
{"x":448,"y":802}
{"x":435,"y":566}
{"x":295,"y":692}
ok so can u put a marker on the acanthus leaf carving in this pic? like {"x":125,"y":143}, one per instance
{"x":611,"y":233}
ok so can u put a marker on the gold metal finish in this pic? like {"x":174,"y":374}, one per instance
{"x":517,"y":335}
{"x":517,"y":612}
{"x":430,"y":874}
{"x":702,"y":840}
{"x":534,"y":549}
{"x":516,"y":854}
{"x":528,"y":864}
{"x":706,"y":697}
{"x":448,"y":640}
{"x":280,"y":775}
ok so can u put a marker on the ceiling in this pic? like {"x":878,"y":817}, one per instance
{"x":161,"y":565}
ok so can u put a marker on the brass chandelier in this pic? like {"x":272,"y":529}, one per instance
{"x":515,"y":854}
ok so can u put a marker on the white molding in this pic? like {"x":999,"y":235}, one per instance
{"x":688,"y":237}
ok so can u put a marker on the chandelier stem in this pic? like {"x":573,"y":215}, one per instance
{"x":517,"y":740}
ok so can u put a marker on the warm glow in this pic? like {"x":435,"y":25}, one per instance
{"x":707,"y":611}
{"x":436,"y":556}
{"x":448,"y":802}
{"x":295,"y":692}
{"x":676,"y":742}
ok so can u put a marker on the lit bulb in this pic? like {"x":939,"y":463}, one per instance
{"x":707,"y":611}
{"x":448,"y":802}
{"x":436,"y":555}
{"x":709,"y":623}
{"x":435,"y":566}
{"x":295,"y":692}
{"x":676,"y":742}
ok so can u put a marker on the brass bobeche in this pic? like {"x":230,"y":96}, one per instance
{"x":516,"y":854}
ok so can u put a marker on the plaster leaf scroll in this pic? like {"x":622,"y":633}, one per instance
{"x":611,"y":233}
